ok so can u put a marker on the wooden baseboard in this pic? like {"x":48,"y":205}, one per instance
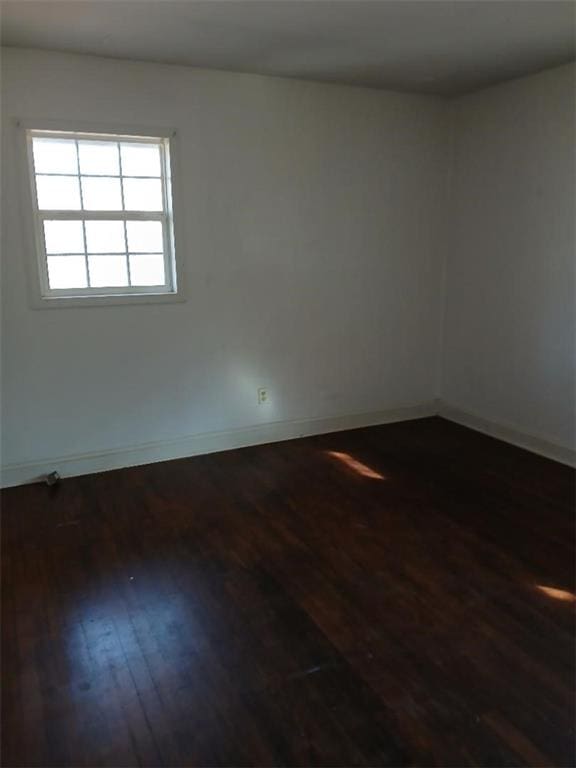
{"x":508,"y":434}
{"x":149,"y":453}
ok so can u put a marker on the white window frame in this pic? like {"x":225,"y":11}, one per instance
{"x":42,"y":296}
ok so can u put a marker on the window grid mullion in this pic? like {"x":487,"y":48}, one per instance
{"x":124,"y":220}
{"x":99,"y":175}
{"x":77,"y":215}
{"x":148,"y":252}
{"x":83,"y":222}
{"x":167,"y":213}
{"x":44,"y":273}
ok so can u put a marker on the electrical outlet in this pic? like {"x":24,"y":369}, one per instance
{"x":262,"y":395}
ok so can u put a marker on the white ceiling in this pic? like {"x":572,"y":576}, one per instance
{"x":428,"y":46}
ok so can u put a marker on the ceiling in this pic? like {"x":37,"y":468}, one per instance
{"x":445,"y":47}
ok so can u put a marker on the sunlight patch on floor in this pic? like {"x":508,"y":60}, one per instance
{"x":557,"y":594}
{"x":355,"y":465}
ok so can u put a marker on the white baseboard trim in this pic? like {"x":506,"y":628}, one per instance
{"x":508,"y":434}
{"x":164,"y":450}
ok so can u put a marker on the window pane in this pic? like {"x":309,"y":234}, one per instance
{"x":67,"y":272}
{"x":107,"y":271}
{"x":63,"y":237}
{"x":140,"y":159}
{"x":147,"y":269}
{"x":54,"y":155}
{"x":144,"y":236}
{"x":105,"y":237}
{"x":99,"y":157}
{"x":143,"y":195}
{"x":58,"y":193}
{"x":101,"y":194}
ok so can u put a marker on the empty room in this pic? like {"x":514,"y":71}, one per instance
{"x":288,"y":383}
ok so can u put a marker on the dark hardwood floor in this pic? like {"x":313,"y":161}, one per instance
{"x":392,"y":596}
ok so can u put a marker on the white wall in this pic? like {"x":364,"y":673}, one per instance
{"x":309,"y":217}
{"x":510,"y":324}
{"x":321,"y":261}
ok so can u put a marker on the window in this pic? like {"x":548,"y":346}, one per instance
{"x":103,"y":214}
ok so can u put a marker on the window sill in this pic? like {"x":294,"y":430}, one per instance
{"x":78,"y":302}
